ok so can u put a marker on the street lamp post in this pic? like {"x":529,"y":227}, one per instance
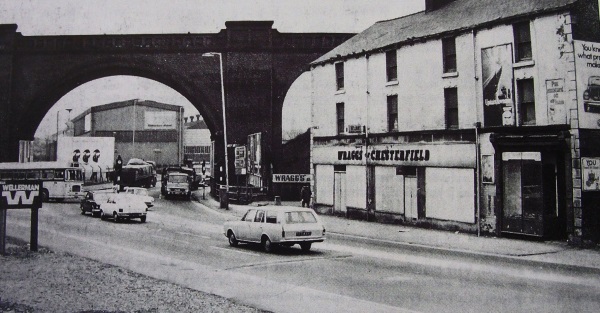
{"x":212,"y":54}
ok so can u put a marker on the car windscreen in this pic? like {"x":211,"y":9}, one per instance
{"x":177,"y":178}
{"x":300,"y":217}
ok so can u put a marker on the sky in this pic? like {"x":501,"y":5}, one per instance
{"x":83,"y":17}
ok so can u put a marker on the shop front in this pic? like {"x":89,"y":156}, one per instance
{"x":411,"y":183}
{"x":532,"y":186}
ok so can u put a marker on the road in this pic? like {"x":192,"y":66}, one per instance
{"x":182,"y":242}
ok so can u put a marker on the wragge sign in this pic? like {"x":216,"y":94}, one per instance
{"x":20,"y":194}
{"x":386,"y":155}
{"x":292,"y":178}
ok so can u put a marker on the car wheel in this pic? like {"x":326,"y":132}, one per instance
{"x":95,"y":214}
{"x":143,"y":219}
{"x":268,"y":245}
{"x":232,"y":240}
{"x":115,"y":217}
{"x":305,"y":246}
{"x":102,"y":216}
{"x":83,"y":211}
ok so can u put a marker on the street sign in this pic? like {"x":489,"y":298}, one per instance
{"x":292,"y":178}
{"x":20,"y":194}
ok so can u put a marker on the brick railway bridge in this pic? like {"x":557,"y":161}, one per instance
{"x":259,"y":64}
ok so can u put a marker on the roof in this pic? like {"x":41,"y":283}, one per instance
{"x":201,"y":124}
{"x":459,"y":15}
{"x":126,"y":103}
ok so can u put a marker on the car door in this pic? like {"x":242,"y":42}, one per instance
{"x":243,"y":228}
{"x":256,"y":227}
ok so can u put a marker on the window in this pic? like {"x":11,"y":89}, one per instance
{"x":522,"y":35}
{"x":339,"y":75}
{"x":249,"y":217}
{"x":391,"y":66}
{"x":340,"y":117}
{"x":526,"y":102}
{"x":259,"y":217}
{"x":451,"y":102}
{"x":449,"y":51}
{"x":271,"y":217}
{"x":392,"y":109}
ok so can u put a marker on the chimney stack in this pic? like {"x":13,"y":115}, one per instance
{"x":432,"y":5}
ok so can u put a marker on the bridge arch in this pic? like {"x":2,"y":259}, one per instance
{"x":259,"y":66}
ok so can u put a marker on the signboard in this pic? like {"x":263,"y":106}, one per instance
{"x":355,"y":129}
{"x":20,"y":194}
{"x":160,"y":120}
{"x":93,"y":154}
{"x":240,"y":160}
{"x":587,"y":74}
{"x":497,"y":73}
{"x":555,"y":95}
{"x":292,"y":178}
{"x":590,"y":174}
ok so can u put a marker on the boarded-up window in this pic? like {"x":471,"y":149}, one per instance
{"x":449,"y":194}
{"x":324,"y":184}
{"x":389,"y":190}
{"x":356,"y":190}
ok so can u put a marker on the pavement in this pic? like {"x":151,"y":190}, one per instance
{"x":549,"y":253}
{"x":556,"y":253}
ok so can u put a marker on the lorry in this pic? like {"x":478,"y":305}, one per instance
{"x":137,"y":173}
{"x":176,"y":184}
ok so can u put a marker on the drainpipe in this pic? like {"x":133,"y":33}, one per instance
{"x":478,"y":174}
{"x":369,"y":193}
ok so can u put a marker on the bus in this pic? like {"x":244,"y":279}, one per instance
{"x":59,"y":182}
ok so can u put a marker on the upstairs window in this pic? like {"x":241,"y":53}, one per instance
{"x":451,"y":103}
{"x":522,"y":35}
{"x":449,"y":51}
{"x":391,"y":66}
{"x":392,"y":109}
{"x":339,"y":112}
{"x":339,"y":75}
{"x":526,"y":102}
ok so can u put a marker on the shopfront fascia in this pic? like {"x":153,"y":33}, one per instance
{"x":403,"y":181}
{"x":533,"y":189}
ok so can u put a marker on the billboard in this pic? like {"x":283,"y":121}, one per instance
{"x":590,"y":174}
{"x":497,"y":73}
{"x":587,"y":66}
{"x":94,"y":154}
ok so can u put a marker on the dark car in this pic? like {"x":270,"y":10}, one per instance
{"x":92,"y":202}
{"x":591,"y":95}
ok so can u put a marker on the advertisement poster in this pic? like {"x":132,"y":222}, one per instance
{"x":487,"y":169}
{"x":587,"y":65}
{"x":240,"y":160}
{"x":498,"y":92}
{"x":94,"y":154}
{"x":555,"y":95}
{"x":590,"y":174}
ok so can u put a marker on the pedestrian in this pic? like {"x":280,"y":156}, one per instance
{"x":305,"y":194}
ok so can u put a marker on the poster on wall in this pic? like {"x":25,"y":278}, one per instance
{"x":487,"y":169}
{"x":498,"y":93}
{"x":94,"y":154}
{"x":590,"y":174}
{"x":555,"y":95}
{"x":587,"y":67}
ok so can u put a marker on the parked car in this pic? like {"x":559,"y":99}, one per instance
{"x":92,"y":201}
{"x":142,"y":193}
{"x":122,"y":206}
{"x":276,"y":225}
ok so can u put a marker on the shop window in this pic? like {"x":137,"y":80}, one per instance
{"x":522,"y":34}
{"x":449,"y":51}
{"x":340,"y":117}
{"x":391,"y":65}
{"x":339,"y":75}
{"x":526,"y":102}
{"x":451,"y":102}
{"x":392,"y":109}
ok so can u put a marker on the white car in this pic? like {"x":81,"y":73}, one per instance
{"x":142,"y":193}
{"x":276,"y":225}
{"x":122,"y":206}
